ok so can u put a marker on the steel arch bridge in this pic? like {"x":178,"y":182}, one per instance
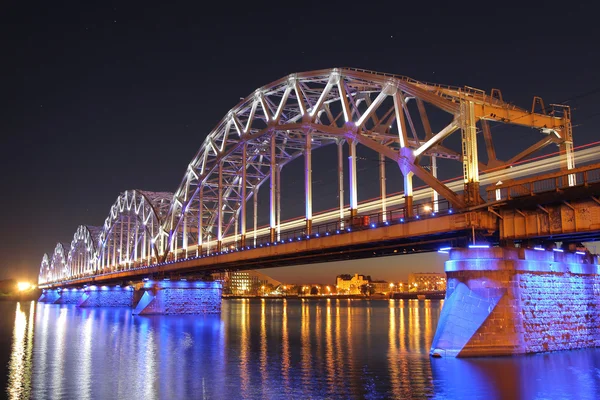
{"x":288,"y":119}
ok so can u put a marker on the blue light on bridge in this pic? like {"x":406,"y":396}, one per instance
{"x":444,"y":250}
{"x":372,"y":225}
{"x":538,"y":248}
{"x":479,"y":246}
{"x":581,"y":253}
{"x":316,"y":235}
{"x":401,"y":219}
{"x":450,"y":211}
{"x":338,"y":232}
{"x":559,"y":250}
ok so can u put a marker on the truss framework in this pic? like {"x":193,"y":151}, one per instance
{"x":288,"y":119}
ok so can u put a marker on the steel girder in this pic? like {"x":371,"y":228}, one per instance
{"x":83,"y":249}
{"x":268,"y":129}
{"x":132,"y":231}
{"x":44,"y":270}
{"x":287,"y":119}
{"x":58,"y":263}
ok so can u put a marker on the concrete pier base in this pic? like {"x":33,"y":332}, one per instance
{"x":505,"y":301}
{"x":69,"y":296}
{"x":179,"y":297}
{"x":49,"y":296}
{"x":106,"y":296}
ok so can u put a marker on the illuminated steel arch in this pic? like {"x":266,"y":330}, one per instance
{"x":132,"y":232}
{"x":44,"y":270}
{"x":292,"y":116}
{"x":81,"y":258}
{"x":58,"y":263}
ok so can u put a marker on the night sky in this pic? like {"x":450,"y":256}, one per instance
{"x":100,"y":99}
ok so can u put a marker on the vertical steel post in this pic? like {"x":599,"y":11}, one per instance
{"x":308,"y":181}
{"x":184,"y":244}
{"x":121,"y":242}
{"x":340,"y":151}
{"x":242,"y":215}
{"x":382,"y":187}
{"x":408,"y":194}
{"x":220,"y":208}
{"x":353,"y":187}
{"x":436,"y":206}
{"x":255,"y":211}
{"x":273,"y":189}
{"x":128,"y":238}
{"x":200,"y":218}
{"x":469,"y":152}
{"x":135,"y":239}
{"x":278,"y":191}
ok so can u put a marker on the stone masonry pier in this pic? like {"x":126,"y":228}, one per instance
{"x":506,"y":301}
{"x":179,"y":297}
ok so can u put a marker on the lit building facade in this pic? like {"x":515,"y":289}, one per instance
{"x":424,"y":281}
{"x":245,"y":283}
{"x":347,"y":284}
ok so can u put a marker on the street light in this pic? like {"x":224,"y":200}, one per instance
{"x":391,"y":288}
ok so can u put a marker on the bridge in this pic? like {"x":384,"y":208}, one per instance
{"x":210,"y":222}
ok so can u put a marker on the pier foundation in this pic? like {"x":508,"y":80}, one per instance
{"x":178,"y":297}
{"x":49,"y":296}
{"x":69,"y":296}
{"x":106,"y":296}
{"x":506,"y":301}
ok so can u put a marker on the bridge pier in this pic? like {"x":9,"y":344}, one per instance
{"x":49,"y":296}
{"x":106,"y":296}
{"x":506,"y":301}
{"x":68,"y":296}
{"x":178,"y":297}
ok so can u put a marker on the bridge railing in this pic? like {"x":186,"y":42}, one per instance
{"x":360,"y":222}
{"x":581,"y":176}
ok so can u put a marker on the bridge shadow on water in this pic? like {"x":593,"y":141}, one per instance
{"x":268,"y":349}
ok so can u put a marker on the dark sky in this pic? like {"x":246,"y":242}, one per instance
{"x":97,"y":99}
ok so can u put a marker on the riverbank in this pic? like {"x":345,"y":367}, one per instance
{"x":396,"y":296}
{"x":28,"y":295}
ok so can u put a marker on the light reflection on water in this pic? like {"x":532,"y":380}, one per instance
{"x":270,"y":349}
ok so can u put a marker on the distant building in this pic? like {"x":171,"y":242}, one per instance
{"x":422,"y":281}
{"x":380,"y":286}
{"x":246,"y":283}
{"x":348,"y":284}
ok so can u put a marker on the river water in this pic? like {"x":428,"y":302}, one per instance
{"x":266,"y":349}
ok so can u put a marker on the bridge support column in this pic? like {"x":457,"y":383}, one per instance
{"x":69,"y":296}
{"x":408,"y":194}
{"x":273,"y":191}
{"x":242,"y":214}
{"x":49,"y":296}
{"x":469,"y":153}
{"x":178,"y":297}
{"x":340,"y":152}
{"x":382,"y":187}
{"x":353,"y":186}
{"x":308,"y":182}
{"x":106,"y":296}
{"x":504,"y":301}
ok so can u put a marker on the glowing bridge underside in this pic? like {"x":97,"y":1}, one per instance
{"x":290,"y":118}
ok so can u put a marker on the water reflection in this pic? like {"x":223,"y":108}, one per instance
{"x":19,"y":368}
{"x":270,"y":349}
